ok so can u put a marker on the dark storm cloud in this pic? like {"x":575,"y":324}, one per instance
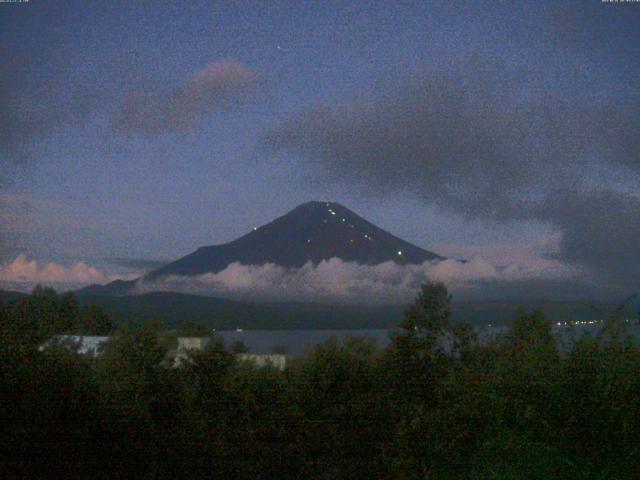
{"x":493,"y":145}
{"x":25,"y":116}
{"x":601,"y":230}
{"x":34,"y":105}
{"x":182,"y":108}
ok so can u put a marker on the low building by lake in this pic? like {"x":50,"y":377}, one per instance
{"x":275,"y":360}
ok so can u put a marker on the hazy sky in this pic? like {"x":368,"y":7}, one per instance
{"x":138,"y":131}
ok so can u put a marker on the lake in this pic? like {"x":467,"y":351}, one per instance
{"x":297,"y":342}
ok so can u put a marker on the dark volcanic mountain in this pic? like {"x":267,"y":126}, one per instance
{"x":313,"y":231}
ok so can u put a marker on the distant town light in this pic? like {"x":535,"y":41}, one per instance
{"x":399,"y":252}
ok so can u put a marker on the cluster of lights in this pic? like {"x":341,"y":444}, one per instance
{"x":585,"y":322}
{"x":399,"y":253}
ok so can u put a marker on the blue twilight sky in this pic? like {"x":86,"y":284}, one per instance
{"x":143,"y":130}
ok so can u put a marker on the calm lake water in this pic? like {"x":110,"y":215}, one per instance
{"x":297,"y":342}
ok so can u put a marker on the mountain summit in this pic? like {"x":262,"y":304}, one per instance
{"x":313,"y":231}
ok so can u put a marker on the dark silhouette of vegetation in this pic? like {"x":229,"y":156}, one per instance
{"x":280,"y":350}
{"x":435,"y":404}
{"x":194,"y":329}
{"x":33,"y":319}
{"x":239,"y":347}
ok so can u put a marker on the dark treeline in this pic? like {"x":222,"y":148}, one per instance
{"x":434,"y":404}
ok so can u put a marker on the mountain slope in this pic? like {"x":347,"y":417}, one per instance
{"x":117,"y":287}
{"x":313,"y":231}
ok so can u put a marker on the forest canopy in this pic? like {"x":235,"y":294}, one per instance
{"x":435,"y":403}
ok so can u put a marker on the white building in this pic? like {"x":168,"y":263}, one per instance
{"x":186,"y":344}
{"x":274,"y":360}
{"x":85,"y":344}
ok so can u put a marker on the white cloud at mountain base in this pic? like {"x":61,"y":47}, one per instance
{"x":332,"y":280}
{"x":337,"y":280}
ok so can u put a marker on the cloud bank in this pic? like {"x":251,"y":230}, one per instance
{"x":182,"y":108}
{"x":330,"y":281}
{"x":23,"y":274}
{"x":335,"y":280}
{"x":483,"y":142}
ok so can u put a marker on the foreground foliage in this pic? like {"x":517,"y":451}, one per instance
{"x":436,"y":403}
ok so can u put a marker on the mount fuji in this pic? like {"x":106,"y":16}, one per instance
{"x":311,"y":232}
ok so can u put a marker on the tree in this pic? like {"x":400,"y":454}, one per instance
{"x":194,"y":329}
{"x":420,"y":347}
{"x":279,"y":349}
{"x":417,"y":364}
{"x":431,"y":311}
{"x":239,"y":347}
{"x":342,"y":422}
{"x":31,"y":320}
{"x":95,"y":321}
{"x":142,"y":398}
